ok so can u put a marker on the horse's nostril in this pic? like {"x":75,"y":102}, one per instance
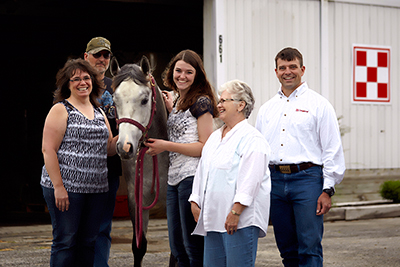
{"x":127,"y":147}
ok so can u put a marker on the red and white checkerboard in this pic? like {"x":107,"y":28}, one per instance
{"x":371,"y":74}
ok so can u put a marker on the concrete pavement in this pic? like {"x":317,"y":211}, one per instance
{"x":366,"y":243}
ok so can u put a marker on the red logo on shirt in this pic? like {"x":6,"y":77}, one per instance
{"x":301,"y":110}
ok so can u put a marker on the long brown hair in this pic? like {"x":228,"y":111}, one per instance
{"x":64,"y":75}
{"x":200,"y":87}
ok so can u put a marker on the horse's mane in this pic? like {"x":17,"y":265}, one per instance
{"x":129,"y":71}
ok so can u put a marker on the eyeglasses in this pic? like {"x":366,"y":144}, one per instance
{"x":223,"y":100}
{"x":105,"y":54}
{"x":78,"y":79}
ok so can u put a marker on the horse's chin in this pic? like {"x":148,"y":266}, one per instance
{"x":124,"y":156}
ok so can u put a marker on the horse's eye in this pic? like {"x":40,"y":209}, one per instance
{"x":144,"y":101}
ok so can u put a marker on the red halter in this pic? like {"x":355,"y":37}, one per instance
{"x":139,"y":168}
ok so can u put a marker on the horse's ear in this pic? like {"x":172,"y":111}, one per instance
{"x":114,"y":66}
{"x":145,"y":65}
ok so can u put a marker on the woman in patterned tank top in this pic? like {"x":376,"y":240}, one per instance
{"x":190,"y":123}
{"x":76,"y":141}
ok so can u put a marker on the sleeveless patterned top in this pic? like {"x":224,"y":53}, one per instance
{"x":182,"y":128}
{"x":82,"y":155}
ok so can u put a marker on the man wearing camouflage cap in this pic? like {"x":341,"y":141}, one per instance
{"x":98,"y":54}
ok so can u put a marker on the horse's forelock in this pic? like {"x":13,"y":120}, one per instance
{"x":130,"y":71}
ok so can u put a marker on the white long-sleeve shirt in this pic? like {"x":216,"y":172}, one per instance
{"x":233,"y":169}
{"x":303,"y":128}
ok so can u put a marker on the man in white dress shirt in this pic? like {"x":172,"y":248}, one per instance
{"x":307,"y":161}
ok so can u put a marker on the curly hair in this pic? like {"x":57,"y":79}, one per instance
{"x":200,"y":87}
{"x":242,"y":91}
{"x":64,"y":75}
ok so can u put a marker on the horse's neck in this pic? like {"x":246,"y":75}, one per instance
{"x":159,"y":126}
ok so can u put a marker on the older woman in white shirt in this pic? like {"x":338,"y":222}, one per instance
{"x":231,"y":189}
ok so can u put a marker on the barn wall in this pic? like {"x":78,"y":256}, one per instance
{"x":255,"y":30}
{"x":374,"y":128}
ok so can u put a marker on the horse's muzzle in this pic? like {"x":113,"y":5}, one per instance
{"x":125,"y":150}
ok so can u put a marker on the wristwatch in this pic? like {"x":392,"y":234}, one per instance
{"x":329,"y":191}
{"x":235,"y":213}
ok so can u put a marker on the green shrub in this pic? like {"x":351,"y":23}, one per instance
{"x":391,"y":190}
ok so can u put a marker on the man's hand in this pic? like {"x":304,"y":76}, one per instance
{"x":324,"y":204}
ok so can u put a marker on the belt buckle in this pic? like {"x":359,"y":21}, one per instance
{"x":285,"y":169}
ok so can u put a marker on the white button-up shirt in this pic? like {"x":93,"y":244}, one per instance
{"x":303,"y":128}
{"x":233,"y":169}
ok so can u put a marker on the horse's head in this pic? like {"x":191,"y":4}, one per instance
{"x":133,"y":98}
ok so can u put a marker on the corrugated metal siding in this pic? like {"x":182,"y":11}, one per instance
{"x":257,"y":30}
{"x":374,"y":129}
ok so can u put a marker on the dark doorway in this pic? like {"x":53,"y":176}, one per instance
{"x":37,"y":37}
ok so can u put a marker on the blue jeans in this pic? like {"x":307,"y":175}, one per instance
{"x":103,"y":241}
{"x":185,"y":247}
{"x":74,"y":231}
{"x":237,"y":250}
{"x":298,"y":230}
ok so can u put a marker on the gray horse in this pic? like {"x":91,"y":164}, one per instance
{"x":134,"y":88}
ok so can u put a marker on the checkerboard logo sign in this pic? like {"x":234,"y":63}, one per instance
{"x":371,"y":74}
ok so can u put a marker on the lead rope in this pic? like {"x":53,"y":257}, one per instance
{"x":139,"y":193}
{"x":139,"y":175}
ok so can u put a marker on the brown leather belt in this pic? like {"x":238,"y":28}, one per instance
{"x":292,"y":168}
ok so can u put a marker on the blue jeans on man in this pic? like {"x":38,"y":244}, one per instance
{"x":185,"y":247}
{"x":75,"y":231}
{"x":298,"y":230}
{"x":103,"y":241}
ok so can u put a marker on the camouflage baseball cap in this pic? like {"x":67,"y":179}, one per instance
{"x":98,"y":44}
